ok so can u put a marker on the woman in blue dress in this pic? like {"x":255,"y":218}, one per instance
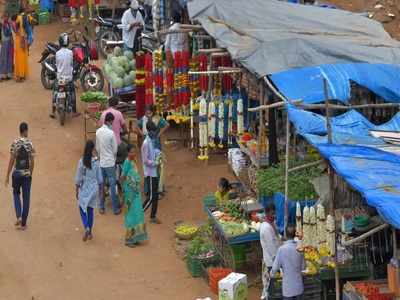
{"x":88,"y":183}
{"x":6,"y":49}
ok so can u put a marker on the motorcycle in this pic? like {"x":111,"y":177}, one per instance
{"x":62,"y":99}
{"x":109,"y":32}
{"x":90,"y":76}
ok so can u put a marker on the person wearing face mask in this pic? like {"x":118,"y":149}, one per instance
{"x":269,"y":239}
{"x":107,"y":149}
{"x":134,"y":216}
{"x":132,"y":22}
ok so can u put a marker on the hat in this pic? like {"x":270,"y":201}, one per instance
{"x":134,"y":4}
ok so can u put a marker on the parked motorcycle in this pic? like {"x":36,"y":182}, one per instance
{"x":90,"y":76}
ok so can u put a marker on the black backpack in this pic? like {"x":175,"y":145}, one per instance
{"x":22,"y":158}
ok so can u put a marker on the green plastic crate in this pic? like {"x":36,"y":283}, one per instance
{"x":44,"y":18}
{"x":239,"y":253}
{"x":194,"y":266}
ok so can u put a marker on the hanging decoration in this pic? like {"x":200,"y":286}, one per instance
{"x":221,"y":110}
{"x":94,"y":3}
{"x":148,"y":81}
{"x":306,"y":227}
{"x":203,"y":130}
{"x":330,"y":235}
{"x":139,"y":82}
{"x":313,"y":239}
{"x":169,"y":80}
{"x":158,"y":80}
{"x":299,"y":226}
{"x":321,"y":225}
{"x":212,"y":123}
{"x":230,"y":121}
{"x":240,"y":119}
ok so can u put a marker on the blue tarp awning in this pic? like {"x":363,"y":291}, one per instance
{"x":381,"y":79}
{"x":357,"y":156}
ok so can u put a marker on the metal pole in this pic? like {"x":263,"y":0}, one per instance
{"x":287,"y":172}
{"x":331,"y":188}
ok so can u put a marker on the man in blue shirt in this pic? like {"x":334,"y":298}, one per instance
{"x":292,"y":263}
{"x":151,"y":162}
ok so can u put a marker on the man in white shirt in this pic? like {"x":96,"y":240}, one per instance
{"x":270,"y":243}
{"x":65,"y":69}
{"x":176,"y":41}
{"x":132,"y":21}
{"x":107,"y":148}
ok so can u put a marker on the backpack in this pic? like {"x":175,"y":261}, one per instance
{"x":22,"y":157}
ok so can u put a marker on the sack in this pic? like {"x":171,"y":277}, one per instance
{"x":22,"y":158}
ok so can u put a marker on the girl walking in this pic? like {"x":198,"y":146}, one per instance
{"x":6,"y":49}
{"x":88,"y":183}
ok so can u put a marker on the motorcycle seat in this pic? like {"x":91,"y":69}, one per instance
{"x":112,"y":21}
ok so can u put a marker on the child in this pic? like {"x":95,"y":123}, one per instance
{"x":222,"y":194}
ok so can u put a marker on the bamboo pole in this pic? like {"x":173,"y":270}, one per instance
{"x":365,"y":235}
{"x":220,"y":54}
{"x":394,"y":236}
{"x":211,"y":50}
{"x":315,"y":163}
{"x":191,"y":26}
{"x":330,"y":170}
{"x":273,"y":105}
{"x":261,"y":123}
{"x":347,"y":107}
{"x":213,"y":72}
{"x":287,"y":173}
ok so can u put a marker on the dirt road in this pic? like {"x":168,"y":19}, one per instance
{"x":49,"y":261}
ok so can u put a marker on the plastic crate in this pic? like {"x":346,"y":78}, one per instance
{"x":44,"y":18}
{"x":194,"y":266}
{"x":239,"y":254}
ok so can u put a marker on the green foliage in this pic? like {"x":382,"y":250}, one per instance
{"x":272,"y":180}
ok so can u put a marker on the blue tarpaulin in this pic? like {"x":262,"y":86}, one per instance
{"x":379,"y":78}
{"x":355,"y":156}
{"x":374,"y":173}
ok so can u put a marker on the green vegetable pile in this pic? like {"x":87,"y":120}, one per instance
{"x":272,"y":180}
{"x":233,"y":209}
{"x":198,"y":246}
{"x":91,"y":97}
{"x":232,"y":229}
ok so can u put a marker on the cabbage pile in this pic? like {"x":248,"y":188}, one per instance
{"x":120,"y":68}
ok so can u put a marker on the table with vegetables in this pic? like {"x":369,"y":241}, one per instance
{"x":232,"y":227}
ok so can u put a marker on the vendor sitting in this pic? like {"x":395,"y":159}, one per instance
{"x":222,"y":195}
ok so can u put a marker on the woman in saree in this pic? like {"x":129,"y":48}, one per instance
{"x":21,"y":46}
{"x":134,"y":216}
{"x":88,"y":181}
{"x":6,"y":49}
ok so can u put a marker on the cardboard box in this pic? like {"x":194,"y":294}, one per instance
{"x":393,"y":275}
{"x":233,"y":287}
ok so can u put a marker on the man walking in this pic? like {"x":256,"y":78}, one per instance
{"x":151,"y":162}
{"x":119,"y":124}
{"x":269,"y":242}
{"x":22,"y":161}
{"x":292,"y":263}
{"x":107,"y":148}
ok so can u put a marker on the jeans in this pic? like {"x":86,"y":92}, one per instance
{"x":87,"y":218}
{"x":20,"y":182}
{"x":109,"y":175}
{"x":152,"y":197}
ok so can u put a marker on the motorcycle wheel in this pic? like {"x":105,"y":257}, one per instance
{"x":92,"y":80}
{"x":47,"y":82}
{"x":105,"y":36}
{"x":61,"y":114}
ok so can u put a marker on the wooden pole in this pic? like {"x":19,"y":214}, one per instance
{"x":261,"y":127}
{"x":365,"y":235}
{"x":314,"y":163}
{"x":331,"y":188}
{"x":272,"y":138}
{"x":394,"y":242}
{"x":346,"y":107}
{"x":213,"y":72}
{"x":287,"y":172}
{"x":114,"y":4}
